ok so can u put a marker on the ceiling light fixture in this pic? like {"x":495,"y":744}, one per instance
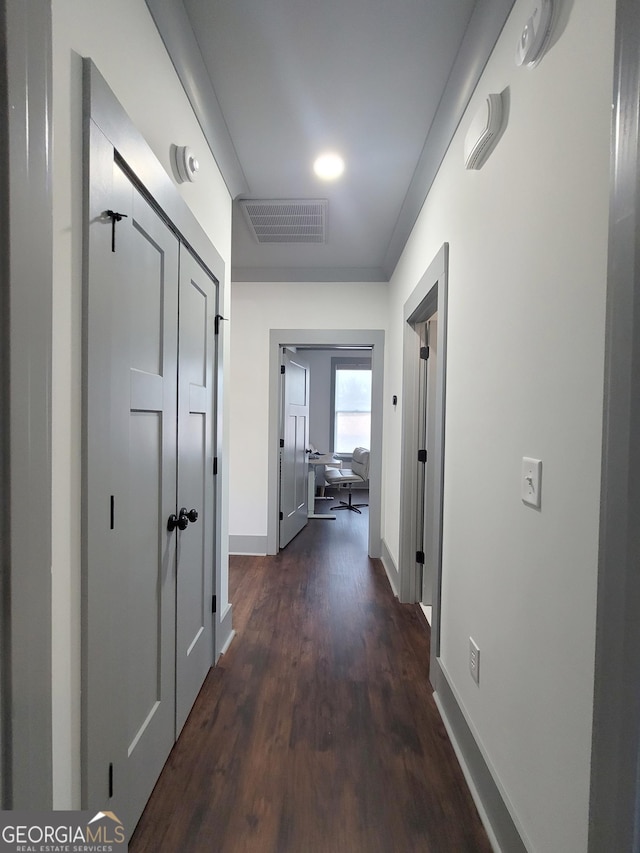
{"x":329,"y":166}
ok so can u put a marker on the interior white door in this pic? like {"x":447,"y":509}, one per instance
{"x":144,"y":408}
{"x":421,"y":459}
{"x":294,"y":439}
{"x":196,"y":423}
{"x":430,"y":515}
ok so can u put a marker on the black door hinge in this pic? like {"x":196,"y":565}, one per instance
{"x":422,"y":456}
{"x":281,"y":517}
{"x":216,"y":321}
{"x":424,"y":353}
{"x":282,"y":368}
{"x":115,"y":217}
{"x":282,"y":442}
{"x":110,"y":780}
{"x":215,"y":465}
{"x":112,"y":511}
{"x":214,"y":603}
{"x":420,"y":557}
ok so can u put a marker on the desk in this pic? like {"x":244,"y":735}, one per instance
{"x":327,"y":459}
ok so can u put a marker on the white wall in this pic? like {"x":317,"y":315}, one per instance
{"x":528,"y":247}
{"x":121,"y":39}
{"x":255,"y":309}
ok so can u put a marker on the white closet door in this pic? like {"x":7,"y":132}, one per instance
{"x":144,"y":370}
{"x":293,"y":457}
{"x":196,"y":424}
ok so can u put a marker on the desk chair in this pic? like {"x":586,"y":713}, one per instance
{"x":358,"y":473}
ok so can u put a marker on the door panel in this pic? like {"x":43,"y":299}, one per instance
{"x":194,"y":638}
{"x":293,"y":456}
{"x":430,"y":519}
{"x":104,"y":750}
{"x":137,"y":495}
{"x":144,"y":358}
{"x":423,"y":379}
{"x":144,"y":612}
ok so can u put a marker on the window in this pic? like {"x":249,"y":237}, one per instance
{"x":351,"y":404}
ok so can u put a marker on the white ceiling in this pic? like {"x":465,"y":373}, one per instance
{"x":276,"y":82}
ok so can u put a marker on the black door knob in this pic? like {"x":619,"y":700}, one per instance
{"x":180,"y":521}
{"x":192,"y":515}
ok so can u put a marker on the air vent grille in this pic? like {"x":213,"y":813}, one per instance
{"x":286,"y":221}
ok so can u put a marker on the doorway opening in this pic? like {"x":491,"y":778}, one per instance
{"x":326,"y":339}
{"x":422,"y":474}
{"x":426,"y":503}
{"x":325,"y":419}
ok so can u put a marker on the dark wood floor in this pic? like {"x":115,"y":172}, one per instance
{"x":317,"y":731}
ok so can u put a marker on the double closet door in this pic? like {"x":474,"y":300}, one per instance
{"x":149,"y":566}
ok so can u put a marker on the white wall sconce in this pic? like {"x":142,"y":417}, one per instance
{"x":186,"y":163}
{"x":483,"y":132}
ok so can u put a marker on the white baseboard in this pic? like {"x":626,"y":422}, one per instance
{"x":224,"y":631}
{"x":230,"y":638}
{"x":390,"y":568}
{"x":504,"y":833}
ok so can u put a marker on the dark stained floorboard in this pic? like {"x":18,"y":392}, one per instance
{"x":317,"y":731}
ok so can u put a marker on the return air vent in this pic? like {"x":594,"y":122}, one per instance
{"x":286,"y":221}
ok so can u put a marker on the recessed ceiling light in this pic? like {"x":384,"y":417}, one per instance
{"x":328,"y":167}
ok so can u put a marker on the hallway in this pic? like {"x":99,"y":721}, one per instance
{"x":317,"y":731}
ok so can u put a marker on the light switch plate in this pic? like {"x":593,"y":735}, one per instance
{"x":530,"y":481}
{"x":474,"y":660}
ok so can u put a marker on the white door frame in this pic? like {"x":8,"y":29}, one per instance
{"x":614,"y":820}
{"x":428,"y":298}
{"x":327,"y":337}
